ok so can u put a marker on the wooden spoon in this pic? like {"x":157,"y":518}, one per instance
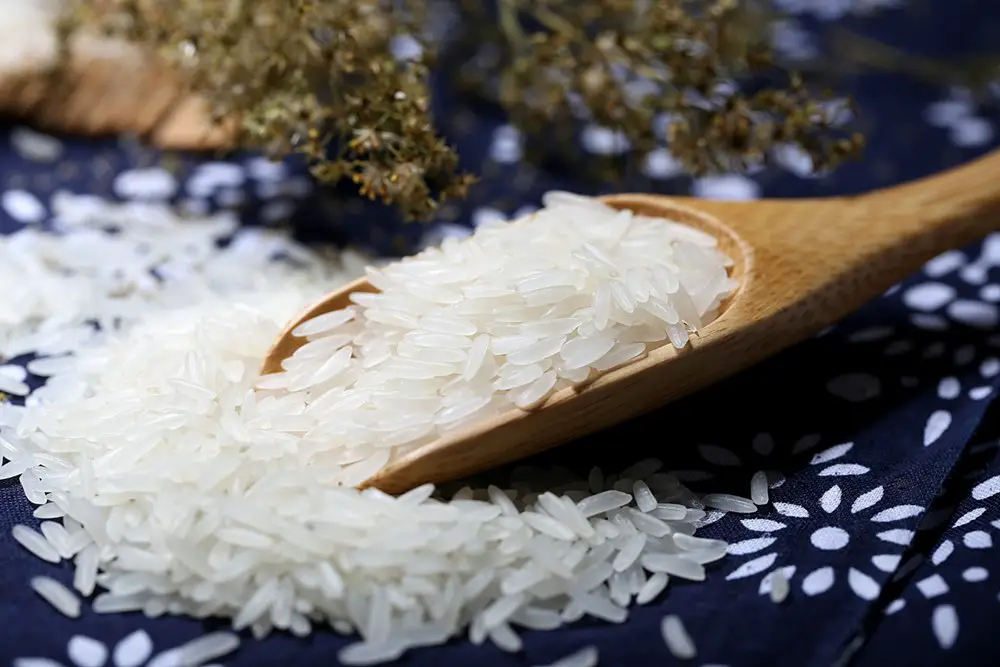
{"x":802,"y":265}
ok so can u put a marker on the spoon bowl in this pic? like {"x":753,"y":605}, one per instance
{"x":801,"y":265}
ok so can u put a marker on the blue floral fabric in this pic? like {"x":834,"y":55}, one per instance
{"x":878,"y":435}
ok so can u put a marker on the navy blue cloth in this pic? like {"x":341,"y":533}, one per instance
{"x":879,"y":433}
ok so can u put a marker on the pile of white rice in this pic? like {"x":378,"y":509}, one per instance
{"x":179,"y":481}
{"x":522,"y":309}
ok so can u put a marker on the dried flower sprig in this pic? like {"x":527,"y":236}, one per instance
{"x":319,"y":77}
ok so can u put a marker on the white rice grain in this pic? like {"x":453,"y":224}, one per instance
{"x":602,"y":502}
{"x":655,"y":585}
{"x":35,"y":543}
{"x":630,"y":552}
{"x":206,"y":648}
{"x":780,"y":586}
{"x":324,"y":324}
{"x":35,"y":146}
{"x":729,"y":503}
{"x":85,"y":576}
{"x":585,"y":657}
{"x":676,"y":637}
{"x":673,"y":565}
{"x":644,"y":498}
{"x":759,"y":488}
{"x":180,"y":482}
{"x":57,"y":595}
{"x":505,"y":639}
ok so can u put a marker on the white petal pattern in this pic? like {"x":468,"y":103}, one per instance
{"x":863,"y":586}
{"x":763,"y":525}
{"x":987,"y":489}
{"x":750,"y":546}
{"x":898,"y":536}
{"x":752,"y":567}
{"x":843,"y":470}
{"x":867,"y":499}
{"x":977,"y":539}
{"x":86,"y":652}
{"x":886,"y":562}
{"x":832,"y":453}
{"x":944,"y":622}
{"x":791,"y":509}
{"x":819,"y":581}
{"x":937,"y":424}
{"x":969,"y":516}
{"x":943,"y":552}
{"x":897,"y":513}
{"x":830,"y":500}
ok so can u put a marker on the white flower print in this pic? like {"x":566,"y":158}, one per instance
{"x":937,"y":586}
{"x":836,"y":511}
{"x":926,"y":297}
{"x":136,"y":650}
{"x":759,"y":457}
{"x":957,"y":115}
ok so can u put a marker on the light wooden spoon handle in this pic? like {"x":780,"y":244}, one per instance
{"x":836,"y":254}
{"x":802,"y":264}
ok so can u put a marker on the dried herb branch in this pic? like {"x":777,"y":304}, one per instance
{"x":320,"y":78}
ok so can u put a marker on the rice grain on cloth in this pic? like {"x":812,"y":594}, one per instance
{"x":178,"y":483}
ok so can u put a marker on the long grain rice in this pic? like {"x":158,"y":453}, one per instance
{"x":57,"y":595}
{"x":780,"y":586}
{"x":759,"y":488}
{"x":585,"y":657}
{"x":729,"y":503}
{"x":36,"y":543}
{"x":178,"y":481}
{"x":676,"y":636}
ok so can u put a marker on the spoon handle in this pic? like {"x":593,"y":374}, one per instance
{"x":838,"y":253}
{"x":913,"y":222}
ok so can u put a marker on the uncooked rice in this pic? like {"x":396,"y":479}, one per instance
{"x":61,"y":598}
{"x":204,"y":649}
{"x":36,"y":544}
{"x":727,"y":502}
{"x":780,"y":587}
{"x":585,"y":657}
{"x":461,"y":332}
{"x":759,"y":488}
{"x":176,"y":484}
{"x":676,"y":636}
{"x":35,"y":146}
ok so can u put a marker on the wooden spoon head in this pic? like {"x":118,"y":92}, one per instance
{"x":568,"y":414}
{"x":801,"y":265}
{"x":286,"y":343}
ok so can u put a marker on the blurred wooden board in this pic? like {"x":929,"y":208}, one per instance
{"x":110,"y":88}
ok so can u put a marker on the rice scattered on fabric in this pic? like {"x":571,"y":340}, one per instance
{"x":780,"y":587}
{"x":759,"y":488}
{"x":176,"y":480}
{"x":204,"y":649}
{"x":35,"y":543}
{"x":676,"y":636}
{"x":585,"y":657}
{"x":506,"y":318}
{"x":61,"y":598}
{"x":727,"y":502}
{"x":35,"y":146}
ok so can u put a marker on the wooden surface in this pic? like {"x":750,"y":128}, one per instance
{"x":111,"y":88}
{"x":802,"y":265}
